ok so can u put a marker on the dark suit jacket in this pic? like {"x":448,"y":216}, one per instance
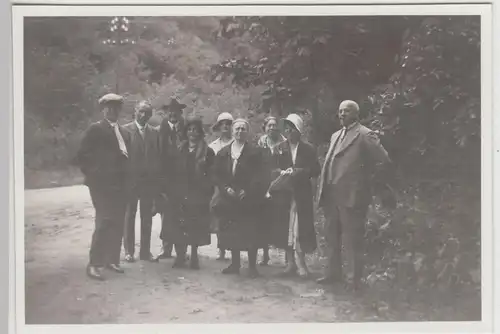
{"x":100,"y":158}
{"x":354,"y":163}
{"x":144,"y":156}
{"x":168,"y":149}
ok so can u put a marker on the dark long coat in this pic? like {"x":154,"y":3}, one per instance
{"x":170,"y":142}
{"x":191,"y":202}
{"x":306,"y":168}
{"x":242,"y":224}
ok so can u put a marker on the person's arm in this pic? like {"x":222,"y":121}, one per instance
{"x":86,"y":154}
{"x":313,"y":169}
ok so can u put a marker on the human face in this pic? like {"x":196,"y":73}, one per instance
{"x":174,"y":116}
{"x":348,"y":114}
{"x":143,"y":114}
{"x":291,"y":133}
{"x":272,"y":128}
{"x":240,"y":132}
{"x":192,"y":133}
{"x":225,"y":128}
{"x":112,"y":111}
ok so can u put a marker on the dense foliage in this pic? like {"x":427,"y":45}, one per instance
{"x":417,"y":80}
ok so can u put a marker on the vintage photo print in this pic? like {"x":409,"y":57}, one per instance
{"x":324,"y":166}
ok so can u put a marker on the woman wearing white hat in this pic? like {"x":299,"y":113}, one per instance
{"x":293,"y":226}
{"x":223,"y":126}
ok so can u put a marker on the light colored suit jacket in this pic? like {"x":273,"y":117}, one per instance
{"x":353,"y":163}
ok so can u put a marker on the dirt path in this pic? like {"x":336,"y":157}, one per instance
{"x":58,"y":227}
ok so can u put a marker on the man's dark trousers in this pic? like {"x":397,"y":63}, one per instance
{"x":110,"y":205}
{"x":145,"y":196}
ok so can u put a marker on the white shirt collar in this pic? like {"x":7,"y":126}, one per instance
{"x":350,"y":126}
{"x":172,"y":125}
{"x":140,"y":127}
{"x":113,"y":124}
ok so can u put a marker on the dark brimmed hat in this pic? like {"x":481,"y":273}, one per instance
{"x":196,"y":121}
{"x":111,"y":98}
{"x":174,"y":105}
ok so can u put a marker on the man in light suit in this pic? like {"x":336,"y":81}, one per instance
{"x":103,"y":160}
{"x":144,"y":171}
{"x":344,"y":191}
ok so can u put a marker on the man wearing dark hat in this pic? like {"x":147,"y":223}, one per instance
{"x":103,"y":159}
{"x":171,"y":137}
{"x":144,"y":172}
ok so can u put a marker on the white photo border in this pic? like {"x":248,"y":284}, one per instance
{"x":17,"y":223}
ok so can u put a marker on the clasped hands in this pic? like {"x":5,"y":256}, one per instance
{"x":240,"y":195}
{"x":288,"y":171}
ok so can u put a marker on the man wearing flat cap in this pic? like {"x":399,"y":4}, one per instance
{"x":171,"y":138}
{"x":345,"y":191}
{"x":144,"y":173}
{"x":103,"y":159}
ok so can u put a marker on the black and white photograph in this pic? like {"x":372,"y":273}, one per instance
{"x":271,"y":165}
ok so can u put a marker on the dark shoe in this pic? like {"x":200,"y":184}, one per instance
{"x":231,"y":270}
{"x":95,"y":273}
{"x":129,"y":258}
{"x":327,"y":280}
{"x":149,"y":258}
{"x":116,"y":268}
{"x":264,"y":263}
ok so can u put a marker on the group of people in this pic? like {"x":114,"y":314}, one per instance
{"x":252,"y":195}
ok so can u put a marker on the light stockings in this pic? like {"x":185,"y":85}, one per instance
{"x":296,"y":263}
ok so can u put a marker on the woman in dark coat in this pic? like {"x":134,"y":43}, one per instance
{"x":239,"y":174}
{"x":194,"y":189}
{"x":293,"y":218}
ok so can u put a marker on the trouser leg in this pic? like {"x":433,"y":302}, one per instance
{"x":129,"y":233}
{"x":235,"y":258}
{"x":146,"y":225}
{"x":97,"y":251}
{"x":266,"y":254}
{"x":353,"y":222}
{"x":334,"y":243}
{"x":117,"y":223}
{"x":252,"y":258}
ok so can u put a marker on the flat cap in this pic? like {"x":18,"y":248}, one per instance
{"x":111,"y":98}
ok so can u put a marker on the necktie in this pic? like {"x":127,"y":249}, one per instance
{"x":121,"y":142}
{"x":342,"y":136}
